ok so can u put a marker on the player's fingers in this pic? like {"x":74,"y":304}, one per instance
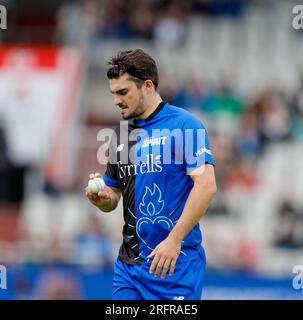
{"x":159,"y":266}
{"x":87,"y":193}
{"x":97,"y":175}
{"x":87,"y":190}
{"x":152,"y":254}
{"x":92,"y":195}
{"x":172,"y":267}
{"x":103,"y":195}
{"x":154,"y":264}
{"x":91,"y":176}
{"x":165,"y":269}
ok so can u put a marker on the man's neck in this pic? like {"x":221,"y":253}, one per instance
{"x":151,"y":107}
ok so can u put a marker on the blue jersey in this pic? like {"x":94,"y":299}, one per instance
{"x":151,"y":163}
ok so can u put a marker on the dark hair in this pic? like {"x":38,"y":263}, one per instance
{"x":137,"y":63}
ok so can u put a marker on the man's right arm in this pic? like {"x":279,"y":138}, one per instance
{"x":107,"y":200}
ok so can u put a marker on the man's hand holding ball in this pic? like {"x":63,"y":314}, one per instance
{"x":96,"y":191}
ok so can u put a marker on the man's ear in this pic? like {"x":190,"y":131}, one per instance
{"x":148,"y":84}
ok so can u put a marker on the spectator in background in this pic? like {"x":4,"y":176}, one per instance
{"x":241,"y":174}
{"x":92,"y":246}
{"x":141,"y":20}
{"x":168,"y":86}
{"x":225,"y":97}
{"x":193,"y":95}
{"x":77,"y":24}
{"x":248,"y":142}
{"x":114,"y":22}
{"x":273,"y":117}
{"x":169,"y":29}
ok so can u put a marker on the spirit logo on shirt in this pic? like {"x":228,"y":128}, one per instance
{"x":153,"y":141}
{"x":3,"y":17}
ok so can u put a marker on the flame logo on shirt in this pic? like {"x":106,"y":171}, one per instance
{"x":152,"y":203}
{"x":152,"y":228}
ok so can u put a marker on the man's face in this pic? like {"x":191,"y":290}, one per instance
{"x":127,"y":96}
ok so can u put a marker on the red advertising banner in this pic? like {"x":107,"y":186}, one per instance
{"x":38,"y":92}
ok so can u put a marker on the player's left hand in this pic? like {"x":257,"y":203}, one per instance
{"x":165,"y":256}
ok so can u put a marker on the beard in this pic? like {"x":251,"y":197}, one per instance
{"x":138,"y":110}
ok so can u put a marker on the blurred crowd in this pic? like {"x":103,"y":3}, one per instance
{"x":270,"y":116}
{"x":163,"y":21}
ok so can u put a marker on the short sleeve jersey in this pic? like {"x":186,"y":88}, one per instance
{"x":150,"y":162}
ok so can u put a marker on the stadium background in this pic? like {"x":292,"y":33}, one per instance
{"x":236,"y":64}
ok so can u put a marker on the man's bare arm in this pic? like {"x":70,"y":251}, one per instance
{"x":197,"y":202}
{"x":166,"y":253}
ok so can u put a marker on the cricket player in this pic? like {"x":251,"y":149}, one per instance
{"x":162,"y":165}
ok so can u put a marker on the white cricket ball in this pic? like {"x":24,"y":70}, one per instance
{"x":96,"y":185}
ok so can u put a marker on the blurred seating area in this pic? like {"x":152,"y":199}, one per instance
{"x":237,"y":65}
{"x":161,"y":21}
